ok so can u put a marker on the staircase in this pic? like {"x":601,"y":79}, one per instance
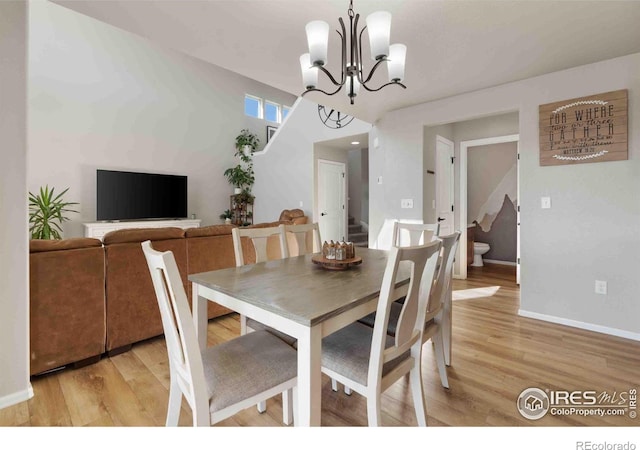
{"x":357,"y":235}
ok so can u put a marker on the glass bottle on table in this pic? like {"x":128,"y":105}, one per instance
{"x":331,"y":254}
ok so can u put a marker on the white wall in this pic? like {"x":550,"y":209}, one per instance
{"x":591,"y":231}
{"x":14,"y":285}
{"x":395,"y":173}
{"x":285,"y":171}
{"x":100,"y":97}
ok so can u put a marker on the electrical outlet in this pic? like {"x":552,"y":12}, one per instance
{"x":601,"y":287}
{"x":406,"y":203}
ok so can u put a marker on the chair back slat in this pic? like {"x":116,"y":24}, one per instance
{"x":421,"y":260}
{"x":299,"y":234}
{"x":258,"y":238}
{"x":445,"y":271}
{"x":412,"y":234}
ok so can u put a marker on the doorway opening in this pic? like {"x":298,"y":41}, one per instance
{"x":489,"y":202}
{"x":345,"y":162}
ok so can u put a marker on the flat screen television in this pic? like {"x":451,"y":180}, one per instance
{"x":133,"y":195}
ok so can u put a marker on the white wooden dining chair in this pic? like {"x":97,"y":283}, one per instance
{"x":438,"y":317}
{"x":410,"y":234}
{"x":259,"y":238}
{"x":404,"y":235}
{"x":368,"y":360}
{"x":224,"y":379}
{"x":297,"y":234}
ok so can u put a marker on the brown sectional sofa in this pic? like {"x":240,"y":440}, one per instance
{"x":90,"y":297}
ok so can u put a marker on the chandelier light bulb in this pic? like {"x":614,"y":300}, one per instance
{"x":395,"y":63}
{"x":309,"y":73}
{"x":379,"y":26}
{"x":318,"y":40}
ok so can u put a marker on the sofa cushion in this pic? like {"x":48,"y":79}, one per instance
{"x":50,"y":245}
{"x":142,"y":234}
{"x":132,"y":306}
{"x":212,"y":230}
{"x":293,"y":217}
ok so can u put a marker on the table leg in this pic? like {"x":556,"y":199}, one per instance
{"x":199,"y":305}
{"x":309,"y":378}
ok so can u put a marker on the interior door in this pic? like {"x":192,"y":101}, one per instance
{"x":444,"y":185}
{"x":331,"y":200}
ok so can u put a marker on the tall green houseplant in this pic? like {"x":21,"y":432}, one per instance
{"x":242,"y":175}
{"x":46,"y":213}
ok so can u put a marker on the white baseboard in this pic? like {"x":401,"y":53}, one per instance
{"x":16,"y":397}
{"x":583,"y":325}
{"x":495,"y":261}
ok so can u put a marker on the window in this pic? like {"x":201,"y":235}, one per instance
{"x":264,"y":109}
{"x":272,"y":112}
{"x":253,"y":106}
{"x":285,"y":111}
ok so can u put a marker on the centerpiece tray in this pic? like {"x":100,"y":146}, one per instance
{"x":334,"y":264}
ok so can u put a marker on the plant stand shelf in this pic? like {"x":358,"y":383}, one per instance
{"x":241,"y":210}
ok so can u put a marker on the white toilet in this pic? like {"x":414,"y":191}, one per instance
{"x":479,"y":249}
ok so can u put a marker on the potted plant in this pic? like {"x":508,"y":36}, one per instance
{"x":226,"y":216}
{"x":246,"y":143}
{"x":46,"y":213}
{"x":240,"y":178}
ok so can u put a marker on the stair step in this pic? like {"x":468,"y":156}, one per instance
{"x":364,"y":244}
{"x":355,"y":229}
{"x":352,"y":220}
{"x":359,"y":238}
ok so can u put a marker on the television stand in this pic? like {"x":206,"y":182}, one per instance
{"x":99,"y":229}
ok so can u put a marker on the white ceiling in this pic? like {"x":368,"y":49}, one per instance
{"x":453,"y":46}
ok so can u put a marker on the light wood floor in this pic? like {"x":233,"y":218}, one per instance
{"x":496,"y":354}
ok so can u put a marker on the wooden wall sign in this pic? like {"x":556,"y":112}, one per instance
{"x":584,"y":130}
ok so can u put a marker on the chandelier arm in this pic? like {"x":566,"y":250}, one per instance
{"x":373,"y":70}
{"x":343,"y":39}
{"x":385,"y":85}
{"x":359,"y":63}
{"x":324,"y":92}
{"x":328,"y":74}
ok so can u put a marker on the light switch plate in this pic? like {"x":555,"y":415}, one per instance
{"x":545,"y":202}
{"x":406,"y":203}
{"x":601,"y":287}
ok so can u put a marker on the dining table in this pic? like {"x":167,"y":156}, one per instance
{"x":304,"y":300}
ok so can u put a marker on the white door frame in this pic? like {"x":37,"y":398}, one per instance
{"x":464,"y":146}
{"x":344,"y":193}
